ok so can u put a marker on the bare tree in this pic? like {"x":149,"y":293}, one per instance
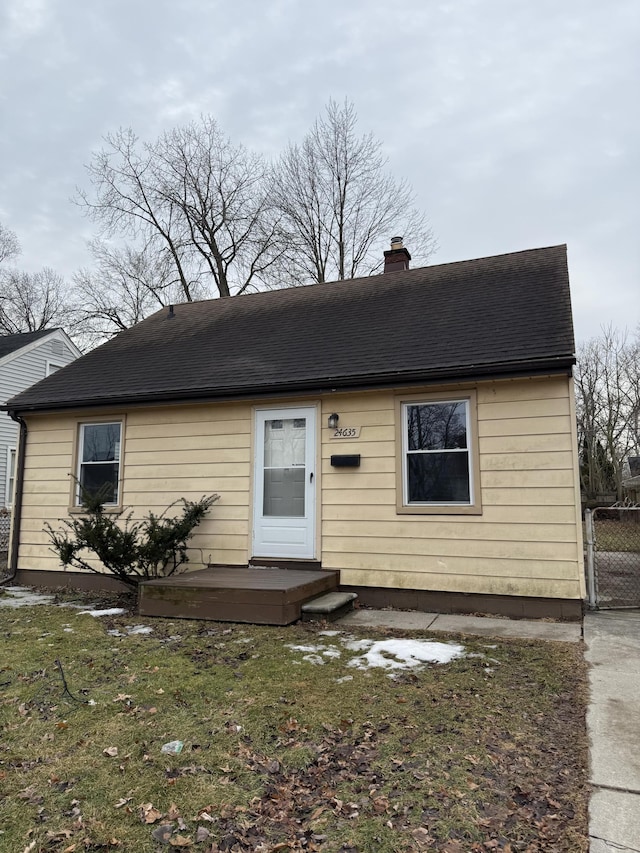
{"x":223,"y":194}
{"x":193,"y":197}
{"x":123,"y":287}
{"x":127,"y":202}
{"x":607,"y":402}
{"x":340,"y":204}
{"x":30,"y":302}
{"x":9,"y":245}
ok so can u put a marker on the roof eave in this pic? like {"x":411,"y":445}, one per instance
{"x":467,"y":373}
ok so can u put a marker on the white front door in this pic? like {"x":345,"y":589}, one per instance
{"x":284,"y":483}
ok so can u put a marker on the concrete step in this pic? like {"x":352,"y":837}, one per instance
{"x":328,"y":607}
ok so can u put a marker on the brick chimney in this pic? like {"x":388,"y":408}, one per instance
{"x":397,"y":257}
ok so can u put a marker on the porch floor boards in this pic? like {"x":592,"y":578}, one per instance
{"x":263,"y":596}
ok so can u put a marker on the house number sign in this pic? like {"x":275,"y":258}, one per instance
{"x":346,"y":432}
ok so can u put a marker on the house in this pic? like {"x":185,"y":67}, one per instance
{"x":24,"y":360}
{"x":631,"y":479}
{"x":414,"y":430}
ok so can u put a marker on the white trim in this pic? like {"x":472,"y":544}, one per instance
{"x":303,"y":528}
{"x":81,"y":426}
{"x":468,"y":450}
{"x":8,"y":496}
{"x":48,"y":364}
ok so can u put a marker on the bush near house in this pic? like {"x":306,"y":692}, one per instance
{"x":133,"y":552}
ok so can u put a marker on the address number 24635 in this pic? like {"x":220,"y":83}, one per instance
{"x":346,"y":432}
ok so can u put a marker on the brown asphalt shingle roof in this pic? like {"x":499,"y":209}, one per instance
{"x":503,"y":315}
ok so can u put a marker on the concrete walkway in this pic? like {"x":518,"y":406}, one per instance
{"x":612,"y":641}
{"x":483,"y":626}
{"x":613,"y":721}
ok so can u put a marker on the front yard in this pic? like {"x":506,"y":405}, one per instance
{"x":292,"y":738}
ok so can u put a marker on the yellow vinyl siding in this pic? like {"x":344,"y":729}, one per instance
{"x":168,"y":453}
{"x":526,"y":541}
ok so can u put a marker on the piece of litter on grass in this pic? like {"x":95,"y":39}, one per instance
{"x":343,"y":679}
{"x":109,"y":611}
{"x":173,"y":747}
{"x":138,"y":629}
{"x":328,"y":633}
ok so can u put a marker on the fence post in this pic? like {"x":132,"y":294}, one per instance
{"x":591,"y":561}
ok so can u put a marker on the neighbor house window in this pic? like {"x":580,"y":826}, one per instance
{"x":11,"y":475}
{"x":438,"y":450}
{"x":51,"y":367}
{"x":99,"y":461}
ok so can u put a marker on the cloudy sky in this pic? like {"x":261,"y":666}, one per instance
{"x":515,"y":121}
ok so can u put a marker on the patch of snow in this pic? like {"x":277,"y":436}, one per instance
{"x":130,"y":630}
{"x":343,"y":679}
{"x":109,"y":611}
{"x":316,"y":659}
{"x":328,"y":633}
{"x":331,"y":652}
{"x":21,"y":596}
{"x":68,"y":630}
{"x":305,"y":648}
{"x":405,"y":654}
{"x":356,"y":645}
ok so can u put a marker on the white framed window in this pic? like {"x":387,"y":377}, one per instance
{"x":10,"y":483}
{"x":438,"y":459}
{"x":99,"y":459}
{"x":51,"y":367}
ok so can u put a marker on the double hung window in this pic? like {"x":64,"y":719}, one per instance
{"x":99,"y":461}
{"x":438,"y":451}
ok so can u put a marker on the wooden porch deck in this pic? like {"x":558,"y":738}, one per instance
{"x":260,"y":595}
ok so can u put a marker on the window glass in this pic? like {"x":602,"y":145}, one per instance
{"x":437,"y":464}
{"x":99,"y":469}
{"x":284,"y":468}
{"x":437,"y":426}
{"x":438,"y":478}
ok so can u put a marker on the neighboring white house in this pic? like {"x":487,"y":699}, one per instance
{"x":24,"y":360}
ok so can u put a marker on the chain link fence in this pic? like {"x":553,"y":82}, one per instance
{"x":613,"y":556}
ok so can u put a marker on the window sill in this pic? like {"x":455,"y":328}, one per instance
{"x":438,"y":510}
{"x":109,"y":510}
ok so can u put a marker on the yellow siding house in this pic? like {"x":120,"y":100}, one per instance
{"x":413,"y":430}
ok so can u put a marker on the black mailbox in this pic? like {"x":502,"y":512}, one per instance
{"x":345,"y":460}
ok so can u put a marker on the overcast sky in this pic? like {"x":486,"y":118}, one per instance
{"x":515,"y":121}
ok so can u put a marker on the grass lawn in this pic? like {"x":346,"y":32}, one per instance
{"x":281,"y":752}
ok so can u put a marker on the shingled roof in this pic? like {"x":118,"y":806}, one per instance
{"x":12,"y":343}
{"x":497,"y":316}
